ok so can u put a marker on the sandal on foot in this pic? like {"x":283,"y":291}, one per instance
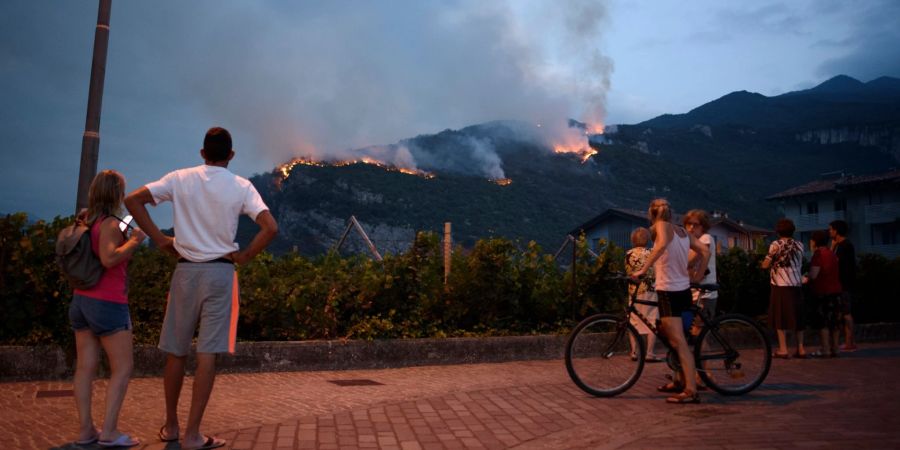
{"x":653,"y":359}
{"x":164,"y":437}
{"x":781,"y":355}
{"x":799,"y":355}
{"x":684,"y":397}
{"x":123,"y":440}
{"x":208,"y":443}
{"x":670,"y":387}
{"x":89,"y":440}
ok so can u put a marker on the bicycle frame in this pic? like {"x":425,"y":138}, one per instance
{"x":729,"y":353}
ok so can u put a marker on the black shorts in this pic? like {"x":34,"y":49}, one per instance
{"x":673,"y":303}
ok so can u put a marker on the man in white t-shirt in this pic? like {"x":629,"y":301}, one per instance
{"x":207,"y":201}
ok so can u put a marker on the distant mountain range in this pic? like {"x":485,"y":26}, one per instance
{"x":727,"y":155}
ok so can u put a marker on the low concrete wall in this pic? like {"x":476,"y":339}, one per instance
{"x":51,"y":362}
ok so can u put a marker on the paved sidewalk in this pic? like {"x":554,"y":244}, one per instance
{"x":822,"y":403}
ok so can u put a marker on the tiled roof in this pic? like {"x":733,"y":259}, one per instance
{"x":844,"y":182}
{"x":677,"y":218}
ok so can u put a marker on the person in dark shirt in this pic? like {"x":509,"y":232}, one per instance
{"x":846,"y":254}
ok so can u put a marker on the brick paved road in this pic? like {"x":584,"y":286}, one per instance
{"x":841,"y":403}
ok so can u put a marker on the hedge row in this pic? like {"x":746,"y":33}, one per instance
{"x":495,"y":288}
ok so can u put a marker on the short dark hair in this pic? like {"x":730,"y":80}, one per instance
{"x":701,"y":216}
{"x":820,"y":237}
{"x":784,"y":227}
{"x":840,"y":227}
{"x":217,"y":144}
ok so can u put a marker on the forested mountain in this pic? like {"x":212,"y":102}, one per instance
{"x":502,"y":179}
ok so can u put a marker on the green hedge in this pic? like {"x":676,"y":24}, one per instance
{"x":495,"y":288}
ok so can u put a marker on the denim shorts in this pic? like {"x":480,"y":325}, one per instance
{"x":103,"y":318}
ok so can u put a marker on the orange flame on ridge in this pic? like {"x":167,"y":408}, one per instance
{"x":286,"y":168}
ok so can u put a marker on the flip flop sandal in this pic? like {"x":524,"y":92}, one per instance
{"x":163,"y":437}
{"x":123,"y":440}
{"x":781,"y":355}
{"x":210,"y":442}
{"x":91,"y":439}
{"x":684,"y":398}
{"x":670,"y":387}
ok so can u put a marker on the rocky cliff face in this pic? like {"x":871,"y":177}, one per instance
{"x":886,"y":139}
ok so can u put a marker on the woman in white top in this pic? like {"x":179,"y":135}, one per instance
{"x":696,"y":222}
{"x":669,"y":259}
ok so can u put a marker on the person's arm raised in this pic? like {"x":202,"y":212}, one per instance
{"x":136,"y":203}
{"x":703,"y":251}
{"x":114,"y":248}
{"x":268,"y":229}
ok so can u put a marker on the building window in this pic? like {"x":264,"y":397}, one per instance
{"x":840,"y":204}
{"x":812,"y":208}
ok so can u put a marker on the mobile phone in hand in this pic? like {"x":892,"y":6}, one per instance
{"x":125,"y":223}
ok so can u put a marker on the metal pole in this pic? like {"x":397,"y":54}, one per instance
{"x":90,"y":143}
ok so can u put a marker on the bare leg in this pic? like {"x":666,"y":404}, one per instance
{"x":87,"y":349}
{"x":825,"y":337}
{"x":633,"y":345}
{"x":848,"y":331}
{"x":800,"y":349}
{"x":782,"y":342}
{"x":173,"y":379}
{"x":204,"y":378}
{"x":835,"y":333}
{"x":674,"y":329}
{"x":118,"y":347}
{"x":651,"y":344}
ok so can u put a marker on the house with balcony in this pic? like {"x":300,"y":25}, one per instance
{"x":615,"y":225}
{"x":870,"y":204}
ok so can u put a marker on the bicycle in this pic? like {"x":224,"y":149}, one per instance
{"x":732,"y":352}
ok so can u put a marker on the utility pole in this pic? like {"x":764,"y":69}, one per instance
{"x":90,"y":143}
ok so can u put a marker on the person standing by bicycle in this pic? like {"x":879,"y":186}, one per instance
{"x":669,"y":259}
{"x":696,"y":222}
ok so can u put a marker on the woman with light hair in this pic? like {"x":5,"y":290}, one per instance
{"x":669,"y":259}
{"x":99,"y":315}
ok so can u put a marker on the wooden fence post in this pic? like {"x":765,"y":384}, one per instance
{"x":448,"y":249}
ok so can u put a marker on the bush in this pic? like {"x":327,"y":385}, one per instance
{"x":495,"y":288}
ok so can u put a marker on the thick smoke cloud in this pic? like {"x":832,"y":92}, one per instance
{"x":325,"y":79}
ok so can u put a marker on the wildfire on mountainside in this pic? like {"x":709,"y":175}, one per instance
{"x":501,"y":181}
{"x":285,"y":169}
{"x":577,"y":141}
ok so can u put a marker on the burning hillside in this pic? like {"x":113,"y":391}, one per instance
{"x":285,"y":169}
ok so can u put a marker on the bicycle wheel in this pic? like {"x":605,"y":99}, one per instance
{"x":599,"y":355}
{"x":733,"y":354}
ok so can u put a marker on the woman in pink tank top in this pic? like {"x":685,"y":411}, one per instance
{"x":669,"y":259}
{"x":99,"y":315}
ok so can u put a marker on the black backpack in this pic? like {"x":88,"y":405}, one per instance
{"x":76,"y":258}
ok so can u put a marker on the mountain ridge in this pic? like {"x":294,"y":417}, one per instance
{"x":719,"y":156}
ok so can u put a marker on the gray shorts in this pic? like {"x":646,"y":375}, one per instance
{"x":206,"y":294}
